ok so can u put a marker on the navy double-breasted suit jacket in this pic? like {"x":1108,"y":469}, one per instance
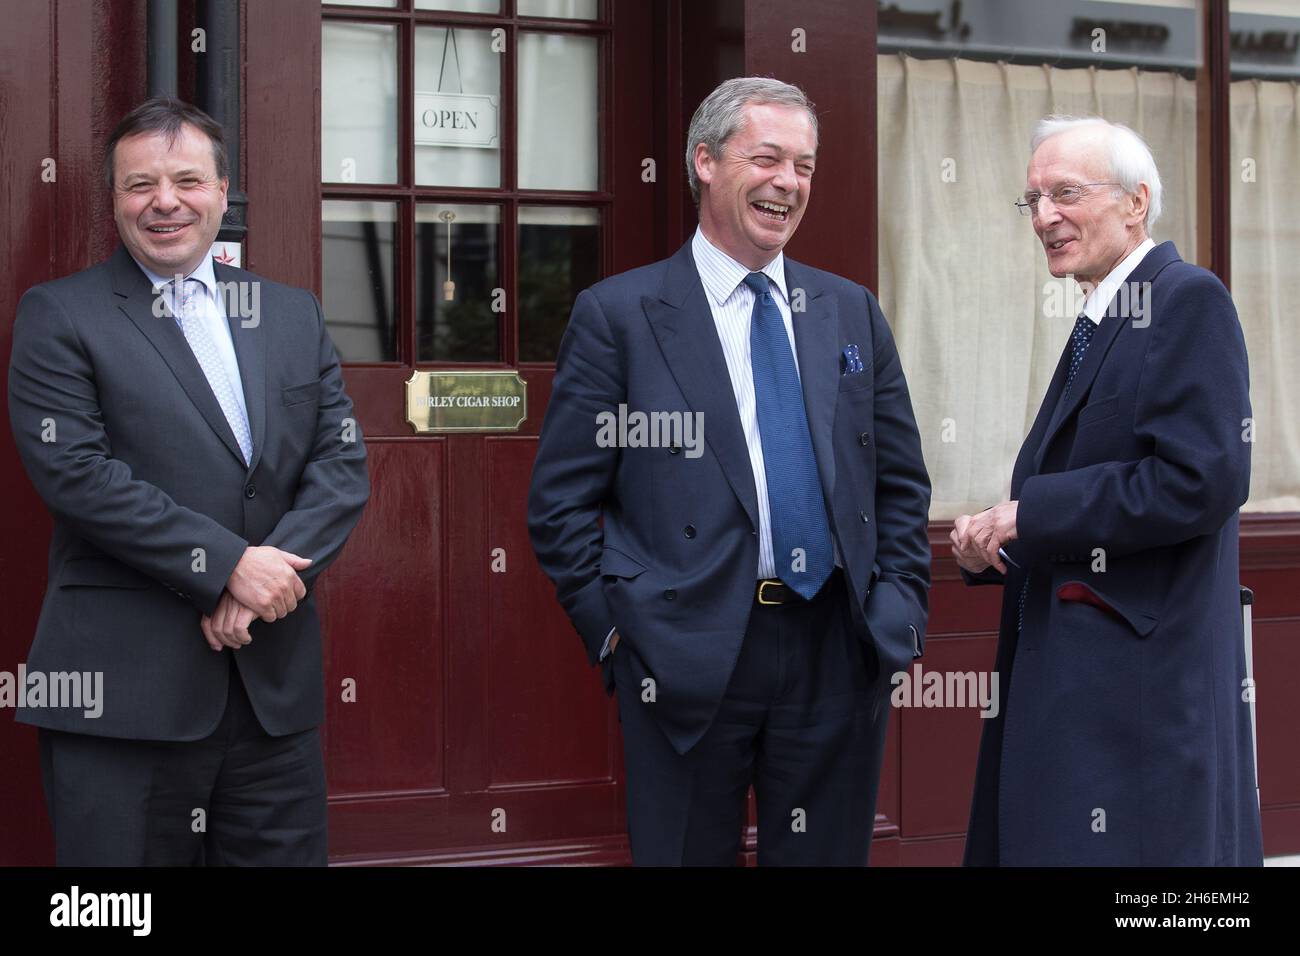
{"x":646,"y":338}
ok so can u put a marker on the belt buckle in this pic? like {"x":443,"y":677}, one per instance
{"x":762,"y":584}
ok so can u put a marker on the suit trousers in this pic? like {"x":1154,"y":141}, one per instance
{"x":116,"y":802}
{"x":803,"y":721}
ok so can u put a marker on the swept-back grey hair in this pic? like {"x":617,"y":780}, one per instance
{"x":1131,"y":162}
{"x":723,"y":111}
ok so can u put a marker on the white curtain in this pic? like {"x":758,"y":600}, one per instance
{"x":1266,"y":279}
{"x":980,"y":322}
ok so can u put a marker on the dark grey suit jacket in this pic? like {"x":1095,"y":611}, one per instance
{"x":153,"y":504}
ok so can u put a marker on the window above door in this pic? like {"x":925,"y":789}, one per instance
{"x":463,"y":192}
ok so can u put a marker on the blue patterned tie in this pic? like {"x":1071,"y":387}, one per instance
{"x":1080,"y":338}
{"x":794,"y":493}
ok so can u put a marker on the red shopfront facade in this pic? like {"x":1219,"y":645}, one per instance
{"x":478,"y":735}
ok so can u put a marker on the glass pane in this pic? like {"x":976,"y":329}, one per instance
{"x":959,"y":91}
{"x":362,"y":3}
{"x":557,"y":93}
{"x":567,"y":9}
{"x":461,"y":6}
{"x":360,"y":300}
{"x":559,"y":256}
{"x":457,"y":108}
{"x":358,"y":103}
{"x":1264,"y":127}
{"x":456,"y":322}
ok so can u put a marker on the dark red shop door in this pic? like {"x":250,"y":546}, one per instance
{"x":501,"y":147}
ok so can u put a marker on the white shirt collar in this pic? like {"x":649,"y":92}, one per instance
{"x":1094,"y":307}
{"x":204,"y":272}
{"x":721,"y":274}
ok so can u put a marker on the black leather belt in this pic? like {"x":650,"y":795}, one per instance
{"x":775,"y":591}
{"x":772,"y":591}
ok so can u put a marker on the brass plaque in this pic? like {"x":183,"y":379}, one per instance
{"x":466,"y":401}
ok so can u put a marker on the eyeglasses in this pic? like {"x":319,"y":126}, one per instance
{"x":1066,"y":194}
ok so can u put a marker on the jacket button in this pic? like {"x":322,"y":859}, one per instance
{"x":674,"y":449}
{"x":250,"y":492}
{"x":864,"y":438}
{"x":689,"y":531}
{"x":863,"y":516}
{"x":670,"y":595}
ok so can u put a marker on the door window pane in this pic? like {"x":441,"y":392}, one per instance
{"x":360,"y":287}
{"x":567,"y":9}
{"x":557,"y":93}
{"x":457,"y":323}
{"x":559,"y":256}
{"x":457,"y":108}
{"x":460,"y":6}
{"x":358,"y":103}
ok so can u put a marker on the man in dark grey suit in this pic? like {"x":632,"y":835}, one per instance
{"x":187,"y":426}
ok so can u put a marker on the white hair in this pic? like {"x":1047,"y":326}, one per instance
{"x":1131,"y":162}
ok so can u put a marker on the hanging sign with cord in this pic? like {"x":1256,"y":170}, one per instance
{"x":456,"y":119}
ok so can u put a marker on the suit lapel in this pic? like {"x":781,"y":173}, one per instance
{"x":816,"y":336}
{"x":136,"y":299}
{"x":683,"y":325}
{"x":250,"y":354}
{"x":1028,"y":460}
{"x":1103,"y":338}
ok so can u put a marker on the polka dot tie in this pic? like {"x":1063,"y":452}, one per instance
{"x":1084,"y":327}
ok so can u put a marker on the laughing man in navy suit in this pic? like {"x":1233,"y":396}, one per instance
{"x":748,"y":595}
{"x":1123,"y":736}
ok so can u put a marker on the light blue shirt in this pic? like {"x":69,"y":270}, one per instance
{"x":213,"y":314}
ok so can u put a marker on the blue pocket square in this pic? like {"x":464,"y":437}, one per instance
{"x":850,"y":361}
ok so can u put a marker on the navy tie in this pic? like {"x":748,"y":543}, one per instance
{"x":1080,"y":338}
{"x":794,"y":493}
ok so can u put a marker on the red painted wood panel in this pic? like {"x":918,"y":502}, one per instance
{"x":941,"y":743}
{"x":385,"y":603}
{"x":71,"y":69}
{"x":281,"y":91}
{"x":836,"y":68}
{"x":27,"y":224}
{"x":534,"y":735}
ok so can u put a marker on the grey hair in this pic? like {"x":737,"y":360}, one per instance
{"x":721,"y":114}
{"x":1131,"y":162}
